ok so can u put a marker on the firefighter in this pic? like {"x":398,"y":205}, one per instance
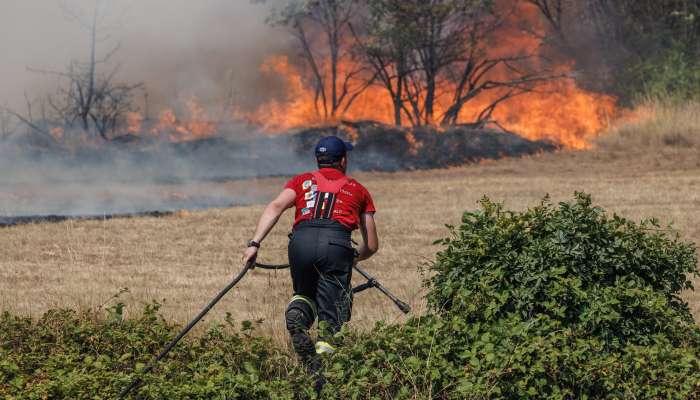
{"x":329,"y":206}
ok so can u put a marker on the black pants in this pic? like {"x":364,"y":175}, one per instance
{"x":321,"y":257}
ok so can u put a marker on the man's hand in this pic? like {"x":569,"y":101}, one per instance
{"x":250,"y":255}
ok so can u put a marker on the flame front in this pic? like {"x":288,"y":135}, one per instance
{"x":198,"y":125}
{"x":558,"y":110}
{"x":195,"y":125}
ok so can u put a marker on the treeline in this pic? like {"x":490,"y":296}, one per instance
{"x":631,"y":48}
{"x":436,"y":57}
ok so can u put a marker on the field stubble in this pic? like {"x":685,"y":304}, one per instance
{"x":185,"y":259}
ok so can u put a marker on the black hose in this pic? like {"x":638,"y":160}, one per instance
{"x":134,"y":383}
{"x":405,"y":308}
{"x":271,"y":266}
{"x":371,"y":282}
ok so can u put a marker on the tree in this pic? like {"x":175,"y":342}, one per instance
{"x":386,"y":46}
{"x":86,"y":96}
{"x":39,"y":127}
{"x":629,"y":47}
{"x":434,"y":56}
{"x":8,"y":125}
{"x":322,"y":29}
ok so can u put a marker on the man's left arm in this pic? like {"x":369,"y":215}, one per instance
{"x":370,"y":239}
{"x":268,"y":219}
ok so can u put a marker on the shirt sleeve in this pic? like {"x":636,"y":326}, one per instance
{"x":294,"y":184}
{"x":369,"y":202}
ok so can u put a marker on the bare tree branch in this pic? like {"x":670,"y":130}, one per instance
{"x":30,"y":124}
{"x":85,"y":94}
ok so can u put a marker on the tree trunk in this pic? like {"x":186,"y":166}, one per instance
{"x":398,"y":95}
{"x":89,"y":96}
{"x":308,"y":54}
{"x":333,"y":38}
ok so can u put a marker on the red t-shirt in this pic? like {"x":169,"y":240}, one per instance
{"x":351,"y":201}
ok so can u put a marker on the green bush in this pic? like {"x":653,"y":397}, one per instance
{"x":556,"y":302}
{"x":602,"y":276}
{"x":65,"y":355}
{"x":673,"y":73}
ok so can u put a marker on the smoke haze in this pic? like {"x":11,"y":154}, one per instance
{"x":176,"y":47}
{"x":209,"y":49}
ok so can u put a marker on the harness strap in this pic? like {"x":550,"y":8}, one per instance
{"x":326,"y":194}
{"x":327,"y":185}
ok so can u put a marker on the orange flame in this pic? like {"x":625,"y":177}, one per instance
{"x":559,"y":110}
{"x":197,"y":125}
{"x":134,"y":123}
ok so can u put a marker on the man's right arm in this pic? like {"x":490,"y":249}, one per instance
{"x":272,"y":213}
{"x":268,"y":219}
{"x":370,"y":240}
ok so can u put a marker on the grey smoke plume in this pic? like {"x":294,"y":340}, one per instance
{"x":177,"y":47}
{"x":133,"y":178}
{"x":209,"y":49}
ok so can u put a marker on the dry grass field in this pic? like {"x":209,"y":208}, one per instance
{"x":651,"y":168}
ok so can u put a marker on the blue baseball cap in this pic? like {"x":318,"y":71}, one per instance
{"x":332,"y":148}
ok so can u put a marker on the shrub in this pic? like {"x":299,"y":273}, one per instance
{"x":555,"y":302}
{"x":670,"y":72}
{"x":600,"y":275}
{"x":66,"y":355}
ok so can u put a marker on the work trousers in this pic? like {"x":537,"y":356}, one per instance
{"x":321,"y":257}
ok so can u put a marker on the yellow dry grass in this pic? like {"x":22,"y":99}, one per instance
{"x":657,"y":124}
{"x":184,"y":259}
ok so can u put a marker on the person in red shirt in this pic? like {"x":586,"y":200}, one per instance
{"x":329,"y":206}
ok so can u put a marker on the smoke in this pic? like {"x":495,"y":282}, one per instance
{"x":121,"y":178}
{"x":176,"y":47}
{"x":210,"y":50}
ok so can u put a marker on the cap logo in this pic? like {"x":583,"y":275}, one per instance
{"x":322,"y":149}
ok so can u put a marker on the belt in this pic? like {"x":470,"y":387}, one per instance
{"x":323,"y":224}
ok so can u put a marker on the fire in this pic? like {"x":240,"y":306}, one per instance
{"x":57,"y":133}
{"x":134,"y":122}
{"x":197,"y":126}
{"x":559,"y":110}
{"x":298,"y":108}
{"x":566,"y":114}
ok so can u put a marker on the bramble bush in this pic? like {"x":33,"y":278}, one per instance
{"x":600,"y":276}
{"x":66,"y":355}
{"x":556,"y":302}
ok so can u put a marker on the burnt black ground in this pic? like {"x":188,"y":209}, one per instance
{"x":141,"y":163}
{"x":36,"y":219}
